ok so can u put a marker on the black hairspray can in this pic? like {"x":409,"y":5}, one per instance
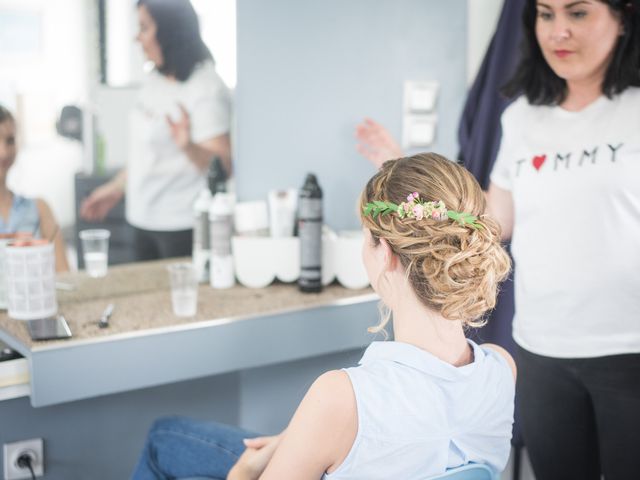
{"x":310,"y":233}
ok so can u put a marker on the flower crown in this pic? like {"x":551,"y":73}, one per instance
{"x":416,"y":208}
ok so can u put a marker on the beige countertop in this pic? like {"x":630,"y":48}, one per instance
{"x":141,"y":296}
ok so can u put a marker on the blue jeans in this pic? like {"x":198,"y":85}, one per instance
{"x":183,"y":448}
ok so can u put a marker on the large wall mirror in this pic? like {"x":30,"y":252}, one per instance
{"x":301,"y":90}
{"x":83,"y":53}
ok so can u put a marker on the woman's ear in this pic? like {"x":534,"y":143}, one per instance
{"x":389,"y":258}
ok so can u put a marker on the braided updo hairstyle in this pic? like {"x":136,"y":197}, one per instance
{"x":453,"y":269}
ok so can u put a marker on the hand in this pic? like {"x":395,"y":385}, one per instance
{"x":376,"y":143}
{"x":255,"y":458}
{"x":97,"y":205}
{"x":181,"y":130}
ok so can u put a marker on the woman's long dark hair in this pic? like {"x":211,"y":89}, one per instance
{"x":538,"y":82}
{"x":178,"y":33}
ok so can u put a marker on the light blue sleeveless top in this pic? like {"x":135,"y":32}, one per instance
{"x":23,"y":217}
{"x":418,"y":415}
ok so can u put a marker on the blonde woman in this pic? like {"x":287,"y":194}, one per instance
{"x":427,"y":401}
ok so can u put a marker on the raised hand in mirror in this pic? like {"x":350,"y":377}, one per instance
{"x":181,"y":128}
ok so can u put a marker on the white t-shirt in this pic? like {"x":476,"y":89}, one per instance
{"x":575,"y":181}
{"x":162,"y":183}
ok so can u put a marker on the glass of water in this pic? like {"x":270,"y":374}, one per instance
{"x":95,"y":249}
{"x":184,"y":289}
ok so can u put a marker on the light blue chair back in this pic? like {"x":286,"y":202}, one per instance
{"x":470,"y":471}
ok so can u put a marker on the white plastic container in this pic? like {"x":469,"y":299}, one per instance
{"x":329,"y":239}
{"x":282,"y":212}
{"x":253,"y":258}
{"x":5,"y":239}
{"x":347,"y":259}
{"x":259,"y":261}
{"x":31,"y":279}
{"x":251,"y":219}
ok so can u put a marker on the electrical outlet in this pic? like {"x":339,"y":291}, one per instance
{"x":12,"y":451}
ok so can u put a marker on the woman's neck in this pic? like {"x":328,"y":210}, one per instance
{"x":6,"y":199}
{"x":5,"y":193}
{"x":582,"y":94}
{"x":415,"y":324}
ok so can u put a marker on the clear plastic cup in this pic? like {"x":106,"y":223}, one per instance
{"x":184,"y":289}
{"x":95,"y":251}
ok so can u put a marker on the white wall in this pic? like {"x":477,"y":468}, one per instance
{"x":482,"y":19}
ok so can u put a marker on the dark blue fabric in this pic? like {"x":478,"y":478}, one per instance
{"x":479,"y":135}
{"x":479,"y":130}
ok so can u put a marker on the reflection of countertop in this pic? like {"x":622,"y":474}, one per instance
{"x":144,"y":333}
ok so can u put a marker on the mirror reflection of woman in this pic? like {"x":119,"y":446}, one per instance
{"x":19,"y":214}
{"x":181,"y":120}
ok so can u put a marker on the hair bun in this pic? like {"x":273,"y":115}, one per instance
{"x":454,"y":269}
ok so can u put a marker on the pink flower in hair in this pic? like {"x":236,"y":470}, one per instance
{"x":415,"y":195}
{"x":418,"y":211}
{"x":410,"y":198}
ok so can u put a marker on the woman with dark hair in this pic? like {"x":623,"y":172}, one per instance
{"x":181,"y":120}
{"x":565,"y":189}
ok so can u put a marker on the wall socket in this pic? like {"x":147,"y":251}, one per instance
{"x":34,"y":448}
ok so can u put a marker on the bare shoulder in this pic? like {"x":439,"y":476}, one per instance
{"x":43,"y":207}
{"x":47,"y":220}
{"x":332,"y":397}
{"x":321,"y":432}
{"x":507,"y":356}
{"x":335,"y":382}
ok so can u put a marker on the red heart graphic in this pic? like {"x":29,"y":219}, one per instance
{"x":538,"y":160}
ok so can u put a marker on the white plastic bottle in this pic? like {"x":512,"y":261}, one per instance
{"x":201,"y":243}
{"x":221,"y":271}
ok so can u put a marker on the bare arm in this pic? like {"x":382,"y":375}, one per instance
{"x":255,"y":458}
{"x":100,"y":202}
{"x":50,"y":230}
{"x":199,"y":153}
{"x":500,"y":207}
{"x":202,"y":153}
{"x":321,"y":431}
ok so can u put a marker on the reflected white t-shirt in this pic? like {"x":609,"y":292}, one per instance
{"x":575,"y":181}
{"x":162,"y":183}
